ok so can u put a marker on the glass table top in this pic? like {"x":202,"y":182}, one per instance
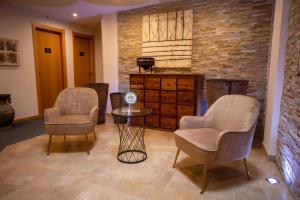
{"x":131,"y":112}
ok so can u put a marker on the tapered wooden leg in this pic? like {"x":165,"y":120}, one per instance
{"x":177,"y":153}
{"x":87,"y":141}
{"x":247,"y":172}
{"x":94,"y":134}
{"x":203,"y":179}
{"x":49,"y":143}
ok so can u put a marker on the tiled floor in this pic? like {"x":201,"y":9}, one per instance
{"x":69,"y":173}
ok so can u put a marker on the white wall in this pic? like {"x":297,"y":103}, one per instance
{"x":109,"y":30}
{"x":276,"y":74}
{"x":20,"y":81}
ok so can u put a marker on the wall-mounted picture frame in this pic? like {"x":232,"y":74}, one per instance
{"x":9,"y":52}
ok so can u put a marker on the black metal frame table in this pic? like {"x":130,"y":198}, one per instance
{"x":132,"y":147}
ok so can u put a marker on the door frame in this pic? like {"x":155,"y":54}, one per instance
{"x":35,"y":27}
{"x":92,"y":51}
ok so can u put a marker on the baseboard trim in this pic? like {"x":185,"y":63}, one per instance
{"x":26,"y":119}
{"x":270,"y":158}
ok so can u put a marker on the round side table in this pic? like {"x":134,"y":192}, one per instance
{"x":132,"y":147}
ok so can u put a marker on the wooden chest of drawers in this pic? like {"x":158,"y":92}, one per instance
{"x":217,"y":88}
{"x":170,"y":96}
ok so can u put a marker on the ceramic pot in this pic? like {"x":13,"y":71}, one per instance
{"x":102,"y":91}
{"x":7,"y":113}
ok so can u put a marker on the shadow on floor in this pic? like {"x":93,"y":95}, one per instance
{"x":20,"y":131}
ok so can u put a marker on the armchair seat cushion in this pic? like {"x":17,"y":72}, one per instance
{"x":70,"y":119}
{"x":80,"y":124}
{"x":204,"y":138}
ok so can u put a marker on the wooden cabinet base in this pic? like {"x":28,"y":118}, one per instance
{"x":170,"y":96}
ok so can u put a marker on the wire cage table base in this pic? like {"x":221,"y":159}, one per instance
{"x":132,"y":146}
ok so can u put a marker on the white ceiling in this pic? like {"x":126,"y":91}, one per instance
{"x":86,"y":9}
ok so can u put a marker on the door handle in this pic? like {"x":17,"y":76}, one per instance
{"x":40,"y":73}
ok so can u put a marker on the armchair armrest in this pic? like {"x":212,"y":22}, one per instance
{"x":192,"y":122}
{"x":94,"y":115}
{"x":234,"y":145}
{"x":51,"y":113}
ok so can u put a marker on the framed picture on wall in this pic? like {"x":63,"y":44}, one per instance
{"x":9,"y":52}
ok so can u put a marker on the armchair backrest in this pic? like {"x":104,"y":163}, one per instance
{"x":76,"y":101}
{"x":233,"y":112}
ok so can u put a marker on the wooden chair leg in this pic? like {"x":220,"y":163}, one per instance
{"x":177,"y":153}
{"x":247,"y":172}
{"x":94,"y":134}
{"x":49,"y":143}
{"x":203,"y":179}
{"x":87,"y":141}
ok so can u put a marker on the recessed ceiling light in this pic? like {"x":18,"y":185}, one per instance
{"x":75,"y":15}
{"x":272,"y":180}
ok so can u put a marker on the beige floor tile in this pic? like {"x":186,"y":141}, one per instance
{"x":69,"y":173}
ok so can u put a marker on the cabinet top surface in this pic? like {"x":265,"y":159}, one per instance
{"x":131,"y":112}
{"x":160,"y":74}
{"x":224,"y":79}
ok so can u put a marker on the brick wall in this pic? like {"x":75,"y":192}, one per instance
{"x":230,"y":40}
{"x":288,"y":149}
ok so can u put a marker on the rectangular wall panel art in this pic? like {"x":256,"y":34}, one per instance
{"x":9,"y":55}
{"x":167,"y":37}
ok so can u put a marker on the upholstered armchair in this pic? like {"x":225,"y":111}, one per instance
{"x":75,"y":112}
{"x":225,"y":133}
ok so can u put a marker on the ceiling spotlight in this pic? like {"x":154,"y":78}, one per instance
{"x":272,"y":180}
{"x":75,"y":15}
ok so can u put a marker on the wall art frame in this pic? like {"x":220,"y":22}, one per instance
{"x":168,"y":38}
{"x":9,"y":52}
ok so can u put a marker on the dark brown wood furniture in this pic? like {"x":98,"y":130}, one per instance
{"x":102,"y":91}
{"x":170,"y":96}
{"x":217,"y":88}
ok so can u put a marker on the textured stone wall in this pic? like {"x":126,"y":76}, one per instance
{"x":288,"y":149}
{"x":230,"y":40}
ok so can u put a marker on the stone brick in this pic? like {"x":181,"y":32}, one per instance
{"x":288,"y":148}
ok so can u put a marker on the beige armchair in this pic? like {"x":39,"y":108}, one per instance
{"x":75,"y":113}
{"x":225,"y":133}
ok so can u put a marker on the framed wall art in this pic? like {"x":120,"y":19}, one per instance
{"x":9,"y":52}
{"x":167,"y":37}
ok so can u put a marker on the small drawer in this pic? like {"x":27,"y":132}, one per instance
{"x":185,"y":98}
{"x":168,"y":84}
{"x":137,"y":121}
{"x":154,"y":107}
{"x":168,"y":97}
{"x":138,"y":105}
{"x":183,"y":110}
{"x":140,"y":94}
{"x":168,"y":123}
{"x":136,"y":82}
{"x":186,"y":84}
{"x":168,"y":109}
{"x":151,"y":96}
{"x":152,"y":83}
{"x":153,"y":121}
